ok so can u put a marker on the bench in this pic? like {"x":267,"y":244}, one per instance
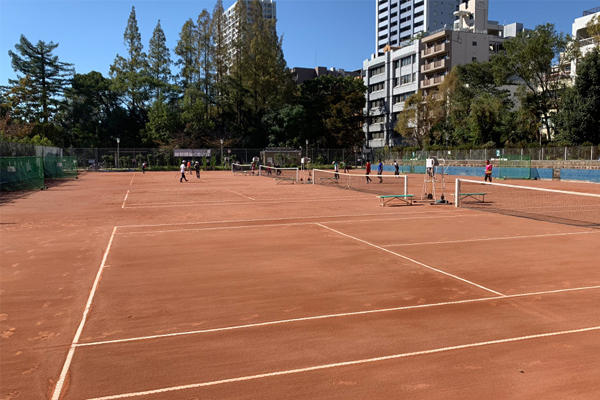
{"x":480,"y":197}
{"x":403,"y":198}
{"x":280,"y":179}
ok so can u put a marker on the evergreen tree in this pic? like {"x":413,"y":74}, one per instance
{"x":187,"y":51}
{"x":205,"y":56}
{"x":159,"y":59}
{"x":221,"y":52}
{"x":130,"y":73}
{"x":42,"y":77}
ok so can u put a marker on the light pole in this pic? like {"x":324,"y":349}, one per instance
{"x":118,"y":141}
{"x":307,"y":148}
{"x":222,"y":153}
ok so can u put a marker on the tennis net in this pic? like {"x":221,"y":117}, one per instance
{"x":387,"y":185}
{"x":279,"y":173}
{"x":60,"y":167}
{"x":571,"y":208}
{"x":241,"y":168}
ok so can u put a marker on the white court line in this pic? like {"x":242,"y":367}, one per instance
{"x":127,"y":194}
{"x":413,"y":261}
{"x":130,"y":183}
{"x":454,"y":210}
{"x":67,"y":365}
{"x":490,"y":239}
{"x":346,"y":363}
{"x":328,"y":316}
{"x":216,"y":228}
{"x":239,"y":194}
{"x":261,"y":202}
{"x":178,"y":203}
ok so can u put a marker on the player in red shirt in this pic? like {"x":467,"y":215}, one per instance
{"x":488,"y":171}
{"x":368,"y":171}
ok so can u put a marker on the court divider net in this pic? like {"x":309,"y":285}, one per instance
{"x":241,"y":168}
{"x":564,"y":207}
{"x":279,"y":173}
{"x":379,"y":184}
{"x":21,"y":173}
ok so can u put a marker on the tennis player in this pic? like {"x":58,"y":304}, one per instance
{"x":380,"y":171}
{"x":368,"y":171}
{"x":197,"y":168}
{"x":336,"y":169}
{"x":396,"y":168}
{"x":182,"y":169}
{"x":488,"y":171}
{"x":189,"y":167}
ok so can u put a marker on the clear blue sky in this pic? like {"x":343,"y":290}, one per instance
{"x":329,"y":33}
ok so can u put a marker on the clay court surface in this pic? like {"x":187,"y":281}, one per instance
{"x":131,"y":285}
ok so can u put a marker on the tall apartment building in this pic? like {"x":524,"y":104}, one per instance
{"x":579,"y":32}
{"x":269,"y":12}
{"x":392,"y":77}
{"x":400,"y":20}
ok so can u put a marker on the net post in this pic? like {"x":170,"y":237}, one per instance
{"x":405,"y":185}
{"x":457,"y":193}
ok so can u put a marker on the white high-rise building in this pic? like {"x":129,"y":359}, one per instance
{"x":400,"y":20}
{"x":269,"y":12}
{"x":580,"y":33}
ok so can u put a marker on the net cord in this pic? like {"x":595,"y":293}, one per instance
{"x":522,"y":187}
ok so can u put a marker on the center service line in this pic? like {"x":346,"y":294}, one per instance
{"x":243,"y":195}
{"x":67,"y":365}
{"x":123,"y":206}
{"x":413,"y":261}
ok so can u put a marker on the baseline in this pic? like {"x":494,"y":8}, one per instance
{"x":347,"y":363}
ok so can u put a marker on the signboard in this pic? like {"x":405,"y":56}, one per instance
{"x":191,"y":152}
{"x":11,"y":168}
{"x":497,"y":153}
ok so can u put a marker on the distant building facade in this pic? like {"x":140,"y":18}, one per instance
{"x":303,"y":74}
{"x":399,"y":72}
{"x":400,"y":20}
{"x":269,"y":11}
{"x":579,"y":32}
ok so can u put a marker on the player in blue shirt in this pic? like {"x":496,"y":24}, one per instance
{"x":380,"y":171}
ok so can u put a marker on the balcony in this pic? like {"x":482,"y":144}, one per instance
{"x":433,"y":82}
{"x":434,"y":51}
{"x":433,"y":66}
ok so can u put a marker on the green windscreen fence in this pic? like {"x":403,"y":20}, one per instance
{"x":514,"y":167}
{"x":60,"y":167}
{"x":21,"y":173}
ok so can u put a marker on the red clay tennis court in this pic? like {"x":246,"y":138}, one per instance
{"x":130,"y":285}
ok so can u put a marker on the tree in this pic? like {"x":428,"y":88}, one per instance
{"x":205,"y":57}
{"x":159,"y":59}
{"x":421,"y":113}
{"x":187,"y":51}
{"x":130,"y":73}
{"x":593,"y":29}
{"x":530,"y":57}
{"x":335,"y":110}
{"x":221,"y":52}
{"x":42,"y":78}
{"x":579,"y":118}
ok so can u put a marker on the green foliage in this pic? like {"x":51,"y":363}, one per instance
{"x":109,"y":161}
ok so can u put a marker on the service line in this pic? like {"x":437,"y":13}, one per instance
{"x":288,"y":224}
{"x":67,"y":365}
{"x":127,"y":194}
{"x":340,"y":315}
{"x":239,"y":194}
{"x":347,"y":363}
{"x":411,"y":260}
{"x":294,"y":218}
{"x":490,"y":239}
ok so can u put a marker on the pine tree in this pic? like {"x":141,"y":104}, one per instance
{"x":159,"y":59}
{"x":221,"y":53}
{"x":44,"y":76}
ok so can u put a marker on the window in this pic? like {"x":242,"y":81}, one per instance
{"x":401,"y":98}
{"x":474,"y":59}
{"x":406,"y":61}
{"x":474,"y":43}
{"x":404,"y":79}
{"x":377,"y":103}
{"x":377,"y":87}
{"x":377,"y":135}
{"x":378,"y":120}
{"x":377,"y":70}
{"x":396,"y":64}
